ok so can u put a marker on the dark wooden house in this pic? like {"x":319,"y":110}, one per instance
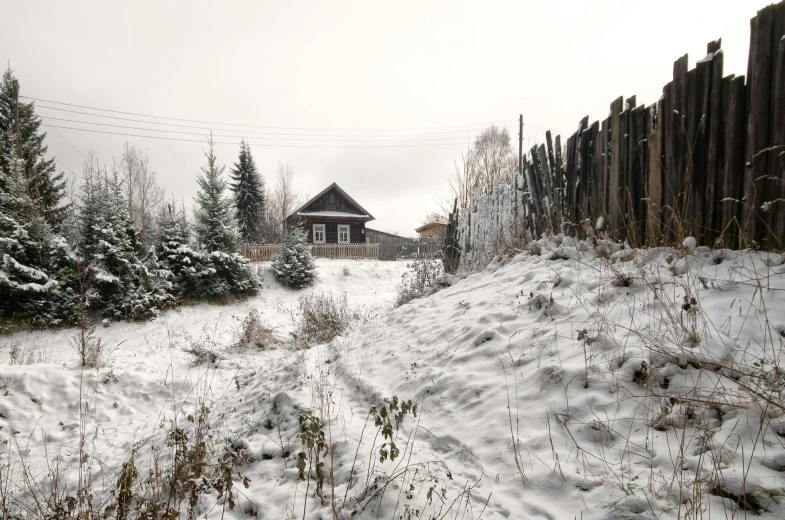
{"x":332,"y":217}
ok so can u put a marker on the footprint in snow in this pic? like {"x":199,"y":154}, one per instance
{"x":484,"y":337}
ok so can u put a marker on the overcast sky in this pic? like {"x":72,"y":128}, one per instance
{"x":335,"y":74}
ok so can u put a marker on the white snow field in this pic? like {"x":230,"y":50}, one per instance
{"x":584,"y":381}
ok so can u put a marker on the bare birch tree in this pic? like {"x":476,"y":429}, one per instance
{"x":489,"y":162}
{"x":144,"y":194}
{"x":282,"y":201}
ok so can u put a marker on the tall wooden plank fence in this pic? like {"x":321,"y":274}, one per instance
{"x":706,"y":160}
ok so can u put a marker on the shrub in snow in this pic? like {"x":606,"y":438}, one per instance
{"x":421,"y":279}
{"x":293,"y":266}
{"x":322,"y":317}
{"x":254,"y":333}
{"x":89,"y":347}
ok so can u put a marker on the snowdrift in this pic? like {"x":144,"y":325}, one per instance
{"x":585,"y":381}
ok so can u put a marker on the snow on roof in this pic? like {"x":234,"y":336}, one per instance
{"x":341,"y":214}
{"x":430,"y":224}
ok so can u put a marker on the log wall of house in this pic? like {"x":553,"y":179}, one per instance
{"x":356,"y":230}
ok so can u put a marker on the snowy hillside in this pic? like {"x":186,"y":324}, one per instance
{"x":575,"y":381}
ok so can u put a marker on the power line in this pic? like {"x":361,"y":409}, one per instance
{"x":245,"y":125}
{"x":244,"y":131}
{"x":405,"y":139}
{"x":63,"y":138}
{"x":253,"y":144}
{"x":59,"y":163}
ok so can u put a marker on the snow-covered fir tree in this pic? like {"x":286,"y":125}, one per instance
{"x":121,"y":285}
{"x":214,"y":219}
{"x":186,"y":266}
{"x":249,"y":200}
{"x":45,"y":185}
{"x":226,"y":272}
{"x":294,"y":266}
{"x":30,"y":253}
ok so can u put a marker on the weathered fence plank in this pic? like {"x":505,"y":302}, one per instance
{"x":545,"y":175}
{"x":558,"y":183}
{"x":636,"y":189}
{"x":655,"y":178}
{"x":603,"y":172}
{"x":758,"y":97}
{"x":535,"y":196}
{"x":584,"y":180}
{"x":615,"y":213}
{"x":569,"y":173}
{"x":714,"y":147}
{"x":594,"y":168}
{"x":700,"y":100}
{"x":675,"y":147}
{"x":777,"y":157}
{"x":734,"y":101}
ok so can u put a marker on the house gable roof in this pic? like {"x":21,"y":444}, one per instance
{"x":363,"y":212}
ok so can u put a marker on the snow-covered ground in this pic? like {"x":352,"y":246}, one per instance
{"x":582,"y":382}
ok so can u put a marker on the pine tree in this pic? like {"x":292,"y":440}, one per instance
{"x":294,"y":266}
{"x":249,"y":201}
{"x":214,"y":222}
{"x":45,"y":186}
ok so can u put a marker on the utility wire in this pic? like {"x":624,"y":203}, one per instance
{"x":461,"y":143}
{"x":63,"y":138}
{"x":248,"y":126}
{"x":245,"y":131}
{"x":405,"y":139}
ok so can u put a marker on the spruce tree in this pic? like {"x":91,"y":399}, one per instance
{"x":214,"y":221}
{"x":122,"y":286}
{"x":186,"y":266}
{"x":225,"y":272}
{"x":248,"y":189}
{"x":30,"y":253}
{"x":45,"y":186}
{"x":294,"y":265}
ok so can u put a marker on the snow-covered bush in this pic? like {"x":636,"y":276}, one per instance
{"x":254,"y":332}
{"x":293,"y":266}
{"x":322,"y":317}
{"x":420,"y":280}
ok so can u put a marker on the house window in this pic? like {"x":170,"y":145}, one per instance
{"x":343,"y":234}
{"x":318,"y":234}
